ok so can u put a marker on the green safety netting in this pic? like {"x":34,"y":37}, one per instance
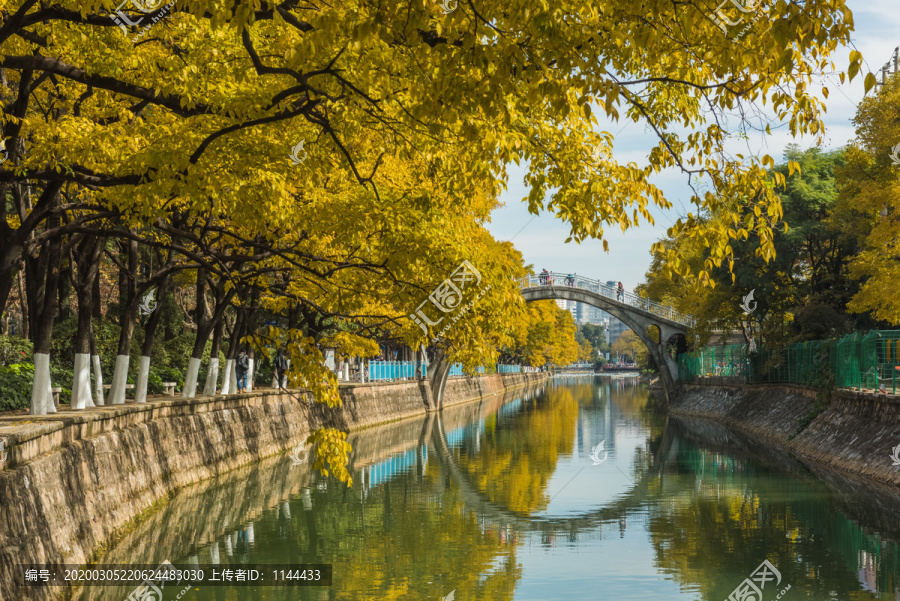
{"x":878,"y":358}
{"x":846,"y":361}
{"x":728,"y":360}
{"x":800,"y":363}
{"x":860,"y":361}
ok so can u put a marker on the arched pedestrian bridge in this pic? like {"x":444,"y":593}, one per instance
{"x":638,"y":313}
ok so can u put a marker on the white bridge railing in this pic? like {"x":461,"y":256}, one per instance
{"x":596,"y":286}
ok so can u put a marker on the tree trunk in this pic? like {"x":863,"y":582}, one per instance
{"x":96,"y":294}
{"x":200,"y":312}
{"x":128,"y":295}
{"x":206,"y":323}
{"x":140,"y":389}
{"x":85,"y":272}
{"x":65,"y":292}
{"x":23,"y":304}
{"x":98,"y":370}
{"x":212,"y":374}
{"x":41,"y":391}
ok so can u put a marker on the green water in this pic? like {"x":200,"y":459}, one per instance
{"x":502,"y":500}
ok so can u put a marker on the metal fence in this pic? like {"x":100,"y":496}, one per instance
{"x":380,"y":371}
{"x":803,"y":363}
{"x":571,"y":280}
{"x":729,"y":360}
{"x":396,"y":370}
{"x":457,"y":369}
{"x":868,"y":361}
{"x":861,"y":361}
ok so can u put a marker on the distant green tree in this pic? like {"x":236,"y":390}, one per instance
{"x":596,"y":335}
{"x":800,"y":294}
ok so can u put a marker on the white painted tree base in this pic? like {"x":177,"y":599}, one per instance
{"x":140,"y":387}
{"x":120,"y":378}
{"x":212,"y":377}
{"x":190,"y":380}
{"x":81,"y":382}
{"x":229,"y":382}
{"x":41,"y":388}
{"x":250,"y":376}
{"x":98,"y":379}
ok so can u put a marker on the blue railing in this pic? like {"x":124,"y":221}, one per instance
{"x":373,"y":475}
{"x":457,"y":369}
{"x":379,"y":371}
{"x":508,"y":369}
{"x":396,"y":370}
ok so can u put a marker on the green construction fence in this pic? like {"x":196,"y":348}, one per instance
{"x":861,"y":361}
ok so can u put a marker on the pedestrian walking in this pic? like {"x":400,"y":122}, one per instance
{"x":620,"y":293}
{"x":545,"y":278}
{"x":241,"y":367}
{"x":570,"y":280}
{"x":281,"y":366}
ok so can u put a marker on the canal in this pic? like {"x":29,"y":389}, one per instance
{"x":583,"y":489}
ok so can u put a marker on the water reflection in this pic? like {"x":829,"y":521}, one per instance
{"x":501,"y":500}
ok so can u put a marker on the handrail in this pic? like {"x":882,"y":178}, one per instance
{"x":553,"y":279}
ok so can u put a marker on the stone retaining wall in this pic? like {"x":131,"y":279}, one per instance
{"x":71,"y":480}
{"x":854,"y":432}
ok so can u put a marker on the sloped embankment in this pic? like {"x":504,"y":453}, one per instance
{"x":851,"y":432}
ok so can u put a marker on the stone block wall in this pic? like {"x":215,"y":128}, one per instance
{"x":72,"y":480}
{"x":854,"y":432}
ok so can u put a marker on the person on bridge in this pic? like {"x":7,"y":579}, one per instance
{"x":570,"y":280}
{"x":545,"y":278}
{"x":620,"y":293}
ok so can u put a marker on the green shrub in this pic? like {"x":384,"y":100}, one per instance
{"x":154,"y":382}
{"x":165,"y":373}
{"x":14,"y":350}
{"x":263,"y":372}
{"x":63,"y":377}
{"x":15,"y":386}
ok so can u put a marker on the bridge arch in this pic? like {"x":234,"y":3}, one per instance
{"x":636,"y":312}
{"x":632,"y":501}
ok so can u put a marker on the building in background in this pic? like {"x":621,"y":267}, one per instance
{"x":583,"y":313}
{"x":616,"y":328}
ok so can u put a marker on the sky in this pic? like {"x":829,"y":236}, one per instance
{"x":541,"y":238}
